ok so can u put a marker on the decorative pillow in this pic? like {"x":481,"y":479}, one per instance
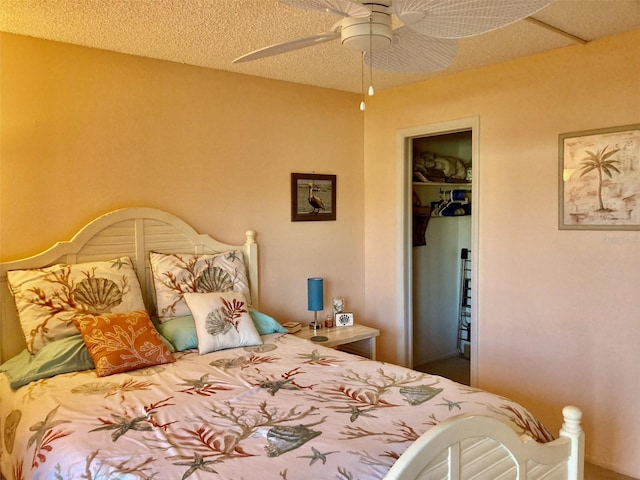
{"x":48,"y":299}
{"x":177,"y":274}
{"x":119,"y":342}
{"x":222,"y":321}
{"x":62,"y":356}
{"x":181,"y":332}
{"x":266,"y":324}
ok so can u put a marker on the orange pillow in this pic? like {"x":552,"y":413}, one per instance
{"x":119,"y":342}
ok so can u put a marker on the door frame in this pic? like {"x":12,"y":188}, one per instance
{"x":404,"y":275}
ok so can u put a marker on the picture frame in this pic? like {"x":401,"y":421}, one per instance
{"x":313,"y":197}
{"x":344,"y":319}
{"x":599,"y":179}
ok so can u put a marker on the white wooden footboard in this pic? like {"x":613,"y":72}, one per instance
{"x":484,"y":448}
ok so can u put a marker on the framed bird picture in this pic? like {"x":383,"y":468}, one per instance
{"x":313,"y":197}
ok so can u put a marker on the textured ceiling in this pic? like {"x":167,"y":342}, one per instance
{"x":211,"y":33}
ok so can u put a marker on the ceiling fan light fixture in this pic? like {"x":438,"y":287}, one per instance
{"x":364,"y":34}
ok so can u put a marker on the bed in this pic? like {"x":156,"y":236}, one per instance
{"x":271,"y":407}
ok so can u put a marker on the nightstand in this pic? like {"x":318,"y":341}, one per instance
{"x":350,"y":339}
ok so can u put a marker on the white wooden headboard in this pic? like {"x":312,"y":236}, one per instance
{"x":130,"y":231}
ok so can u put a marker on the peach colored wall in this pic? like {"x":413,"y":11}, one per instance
{"x":559,"y":319}
{"x":86,"y":131}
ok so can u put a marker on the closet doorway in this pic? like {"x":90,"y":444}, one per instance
{"x":440,"y":194}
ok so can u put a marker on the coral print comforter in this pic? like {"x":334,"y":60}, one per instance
{"x":287,"y":409}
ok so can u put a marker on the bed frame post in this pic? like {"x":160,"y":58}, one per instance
{"x":251,"y":250}
{"x":572,"y":430}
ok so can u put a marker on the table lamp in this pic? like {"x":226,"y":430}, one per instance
{"x":315,"y":297}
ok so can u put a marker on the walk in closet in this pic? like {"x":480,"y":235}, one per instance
{"x":441,"y":237}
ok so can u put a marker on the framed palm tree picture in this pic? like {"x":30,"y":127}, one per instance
{"x":313,"y":197}
{"x":599,"y":179}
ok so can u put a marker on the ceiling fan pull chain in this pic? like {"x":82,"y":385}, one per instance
{"x":362,"y":104}
{"x":370,"y":92}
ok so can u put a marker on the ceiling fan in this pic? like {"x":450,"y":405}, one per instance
{"x":427,"y":40}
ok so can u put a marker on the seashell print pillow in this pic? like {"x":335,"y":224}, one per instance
{"x":175,"y":274}
{"x":49,"y":299}
{"x":222,"y":321}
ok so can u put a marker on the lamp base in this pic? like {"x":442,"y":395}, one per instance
{"x":314,"y":323}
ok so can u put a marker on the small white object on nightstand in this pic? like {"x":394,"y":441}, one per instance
{"x":344,"y":319}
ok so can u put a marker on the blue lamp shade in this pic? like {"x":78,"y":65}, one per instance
{"x":315,"y":294}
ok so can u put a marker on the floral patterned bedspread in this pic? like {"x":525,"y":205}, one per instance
{"x":289,"y":409}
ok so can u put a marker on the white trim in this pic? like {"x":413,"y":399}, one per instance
{"x":404,"y":309}
{"x":404,"y":269}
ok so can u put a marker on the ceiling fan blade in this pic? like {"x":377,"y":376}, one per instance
{"x":342,"y":8}
{"x":411,"y":52}
{"x":463,"y":18}
{"x":288,"y":46}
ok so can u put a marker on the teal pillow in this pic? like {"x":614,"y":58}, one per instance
{"x":62,"y":356}
{"x":181,"y":331}
{"x":266,"y":324}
